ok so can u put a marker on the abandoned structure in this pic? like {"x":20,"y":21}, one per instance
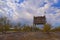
{"x":39,"y":20}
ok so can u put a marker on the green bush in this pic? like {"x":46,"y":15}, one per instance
{"x":56,"y":29}
{"x":47,"y":28}
{"x":30,"y":29}
{"x":4,"y":24}
{"x":26,"y":28}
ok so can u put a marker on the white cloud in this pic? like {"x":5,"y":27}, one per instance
{"x":30,"y":8}
{"x":55,"y":1}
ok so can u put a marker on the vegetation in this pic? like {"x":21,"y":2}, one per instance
{"x":47,"y":28}
{"x":56,"y":29}
{"x":6,"y":26}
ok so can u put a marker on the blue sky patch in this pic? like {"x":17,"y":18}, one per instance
{"x":19,"y":1}
{"x":57,"y":5}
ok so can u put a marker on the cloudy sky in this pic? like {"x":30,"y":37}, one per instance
{"x":24,"y":10}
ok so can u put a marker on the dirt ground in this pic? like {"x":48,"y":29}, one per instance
{"x":30,"y":36}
